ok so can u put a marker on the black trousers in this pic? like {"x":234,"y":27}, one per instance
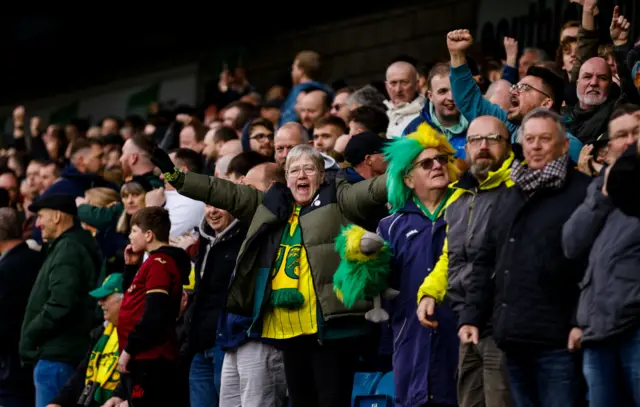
{"x":152,"y":383}
{"x":320,"y":375}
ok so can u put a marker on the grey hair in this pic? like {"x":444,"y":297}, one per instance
{"x":543,"y":113}
{"x":304,"y":134}
{"x":367,"y":96}
{"x":304,"y":150}
{"x":118,"y":296}
{"x":540,"y":53}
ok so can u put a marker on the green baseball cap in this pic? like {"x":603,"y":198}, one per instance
{"x":112,"y":284}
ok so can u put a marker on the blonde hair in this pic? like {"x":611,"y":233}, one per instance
{"x":101,"y":196}
{"x":129,"y":188}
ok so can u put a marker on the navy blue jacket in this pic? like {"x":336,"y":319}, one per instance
{"x":424,"y":360}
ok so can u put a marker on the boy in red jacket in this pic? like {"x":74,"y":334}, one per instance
{"x":150,"y":307}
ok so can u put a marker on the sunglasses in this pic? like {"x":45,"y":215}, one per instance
{"x":427,"y":163}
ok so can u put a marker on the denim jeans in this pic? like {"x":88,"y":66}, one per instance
{"x":612,"y":371}
{"x":204,"y":378}
{"x":543,"y":377}
{"x":49,"y":378}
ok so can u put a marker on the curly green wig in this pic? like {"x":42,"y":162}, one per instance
{"x":401,"y":153}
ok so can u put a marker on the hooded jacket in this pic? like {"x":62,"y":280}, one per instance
{"x":151,"y":304}
{"x":61,"y":313}
{"x":457,"y":141}
{"x":467,"y":218}
{"x":216,"y":259}
{"x":425,"y":360}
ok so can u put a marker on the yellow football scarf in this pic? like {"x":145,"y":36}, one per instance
{"x":102,"y":365}
{"x":286,"y":271}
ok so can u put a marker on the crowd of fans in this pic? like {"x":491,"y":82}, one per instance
{"x":473,"y":228}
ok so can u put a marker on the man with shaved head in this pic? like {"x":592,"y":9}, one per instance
{"x":262,"y":176}
{"x":404,"y":102}
{"x":499,"y":93}
{"x":482,"y":376}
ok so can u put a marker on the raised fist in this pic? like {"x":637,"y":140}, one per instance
{"x":459,"y":40}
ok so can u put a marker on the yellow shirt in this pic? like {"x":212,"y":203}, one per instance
{"x":284,"y":323}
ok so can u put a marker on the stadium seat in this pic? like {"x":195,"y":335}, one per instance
{"x":364,"y":384}
{"x":383,"y":396}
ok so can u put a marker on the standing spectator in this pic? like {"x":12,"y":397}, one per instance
{"x":149,"y":311}
{"x":522,"y":277}
{"x":60,"y":313}
{"x":19,"y":266}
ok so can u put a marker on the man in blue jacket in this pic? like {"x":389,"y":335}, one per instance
{"x":440,"y":110}
{"x":304,"y":72}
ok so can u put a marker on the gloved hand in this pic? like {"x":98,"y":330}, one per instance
{"x":161,"y":159}
{"x":171,"y":174}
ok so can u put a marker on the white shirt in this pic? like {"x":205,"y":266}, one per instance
{"x":185,"y":213}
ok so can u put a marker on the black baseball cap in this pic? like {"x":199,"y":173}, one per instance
{"x":363,"y":144}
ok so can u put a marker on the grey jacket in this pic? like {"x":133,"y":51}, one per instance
{"x":467,"y":219}
{"x":610,"y":290}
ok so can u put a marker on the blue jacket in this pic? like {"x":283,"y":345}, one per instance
{"x":288,"y":112}
{"x":457,"y":142}
{"x":424,"y":360}
{"x":472,"y":104}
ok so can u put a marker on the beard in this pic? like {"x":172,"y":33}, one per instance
{"x":481,"y":170}
{"x":592,"y":99}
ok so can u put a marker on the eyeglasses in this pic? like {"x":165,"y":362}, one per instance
{"x":427,"y":163}
{"x":297,"y":171}
{"x":523,"y":87}
{"x":491,"y":139}
{"x":262,"y":136}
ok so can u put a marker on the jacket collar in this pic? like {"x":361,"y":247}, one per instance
{"x":495,"y":178}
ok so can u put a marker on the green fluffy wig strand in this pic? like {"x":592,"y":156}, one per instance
{"x":359,"y":276}
{"x":401,"y":153}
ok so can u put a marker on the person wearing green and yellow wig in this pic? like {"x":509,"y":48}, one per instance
{"x":421,"y":168}
{"x":97,"y":376}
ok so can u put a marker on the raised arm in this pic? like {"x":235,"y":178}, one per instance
{"x":466,"y":93}
{"x":241,"y":201}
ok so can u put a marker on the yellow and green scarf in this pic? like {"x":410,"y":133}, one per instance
{"x":102,"y":365}
{"x":286,"y":271}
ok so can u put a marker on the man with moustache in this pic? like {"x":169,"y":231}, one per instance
{"x":482,"y":376}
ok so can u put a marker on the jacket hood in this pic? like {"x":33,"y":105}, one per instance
{"x":494,"y":178}
{"x":352,"y":175}
{"x":329,"y":162}
{"x":182,"y":259}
